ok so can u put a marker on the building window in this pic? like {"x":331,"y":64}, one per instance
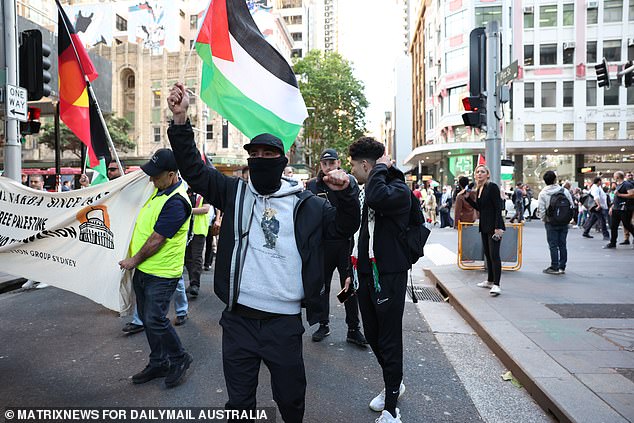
{"x":610,"y":130}
{"x":612,"y":50}
{"x":549,"y":94}
{"x":455,"y":24}
{"x":591,"y":93}
{"x":181,"y":40}
{"x":611,"y":96}
{"x":297,"y":36}
{"x":630,"y":131}
{"x":293,"y":20}
{"x":156,"y":99}
{"x":456,"y":95}
{"x":569,"y":53}
{"x":191,"y":44}
{"x":612,"y":10}
{"x":548,"y":54}
{"x":290,"y":4}
{"x":630,"y":96}
{"x":569,"y":14}
{"x":130,"y":81}
{"x":591,"y":131}
{"x":529,"y":55}
{"x":210,"y":131}
{"x":631,"y":18}
{"x":548,"y":15}
{"x":529,"y":132}
{"x":591,"y":52}
{"x":569,"y":131}
{"x":529,"y":19}
{"x":296,"y":52}
{"x":549,"y":132}
{"x":593,"y":16}
{"x":529,"y":95}
{"x":121,"y":24}
{"x":456,"y":60}
{"x":193,"y":21}
{"x":569,"y":93}
{"x":157,"y":133}
{"x":484,"y":15}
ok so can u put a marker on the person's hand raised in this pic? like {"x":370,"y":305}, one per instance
{"x":337,"y":180}
{"x":385,"y":159}
{"x":178,"y":102}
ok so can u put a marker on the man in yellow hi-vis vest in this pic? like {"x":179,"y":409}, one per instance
{"x":196,"y":245}
{"x":157,"y":253}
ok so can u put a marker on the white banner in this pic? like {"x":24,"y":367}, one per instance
{"x":73,"y":240}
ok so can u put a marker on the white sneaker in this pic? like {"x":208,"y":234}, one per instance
{"x":495,"y":291}
{"x":378,"y":402}
{"x":41,"y":285}
{"x":485,"y":284}
{"x":30,"y":284}
{"x":386,"y":417}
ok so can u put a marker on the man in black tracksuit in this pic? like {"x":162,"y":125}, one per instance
{"x":336,"y":255}
{"x":382,"y":265}
{"x":269,"y":260}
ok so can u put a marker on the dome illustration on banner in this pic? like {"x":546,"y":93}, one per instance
{"x":94,"y":228}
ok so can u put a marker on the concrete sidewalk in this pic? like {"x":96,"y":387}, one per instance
{"x":568,"y":338}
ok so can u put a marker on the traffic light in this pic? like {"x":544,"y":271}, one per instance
{"x":627,"y":78}
{"x":476,"y":107}
{"x":477,"y":61}
{"x":34,"y":65}
{"x":603,"y":76}
{"x":32,"y":124}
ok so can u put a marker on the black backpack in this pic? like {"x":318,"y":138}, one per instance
{"x":416,"y":233}
{"x":559,"y":211}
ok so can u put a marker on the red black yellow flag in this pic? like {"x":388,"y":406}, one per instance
{"x":77,"y":107}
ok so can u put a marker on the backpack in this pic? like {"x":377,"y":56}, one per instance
{"x":559,"y":211}
{"x":416,"y":233}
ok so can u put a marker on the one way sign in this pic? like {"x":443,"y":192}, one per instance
{"x":16,"y":103}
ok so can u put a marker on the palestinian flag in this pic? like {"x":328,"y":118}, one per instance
{"x":244,"y":78}
{"x":77,"y":107}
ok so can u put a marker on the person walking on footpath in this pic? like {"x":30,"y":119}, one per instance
{"x":599,"y":211}
{"x":556,"y":210}
{"x":444,"y":209}
{"x":489,"y":204}
{"x":518,"y":203}
{"x":269,"y":260}
{"x":622,"y":207}
{"x":336,"y":256}
{"x":464,"y":212}
{"x":199,"y":228}
{"x":157,"y":256}
{"x":380,"y":265}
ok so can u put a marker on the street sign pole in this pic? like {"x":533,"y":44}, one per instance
{"x":493,"y":142}
{"x":12,"y":146}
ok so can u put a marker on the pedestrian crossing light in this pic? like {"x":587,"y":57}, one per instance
{"x":476,"y":116}
{"x":35,"y":65}
{"x":32,"y":124}
{"x":603,"y":76}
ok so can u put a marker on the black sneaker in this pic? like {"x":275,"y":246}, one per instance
{"x":131,"y":328}
{"x":180,"y":320}
{"x":321,"y":333}
{"x":177,"y":371}
{"x":550,"y":271}
{"x":608,"y":246}
{"x":193,"y":290}
{"x":356,"y":337}
{"x":150,"y":373}
{"x":626,"y":242}
{"x":586,"y":235}
{"x":206,"y":268}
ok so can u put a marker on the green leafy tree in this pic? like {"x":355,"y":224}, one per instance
{"x":118,"y":127}
{"x":336,"y":103}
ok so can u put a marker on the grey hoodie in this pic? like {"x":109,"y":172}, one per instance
{"x":544,"y":198}
{"x":272,"y":272}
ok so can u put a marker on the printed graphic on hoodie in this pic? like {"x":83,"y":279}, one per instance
{"x":271,"y":227}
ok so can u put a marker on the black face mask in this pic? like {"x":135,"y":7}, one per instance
{"x":266,"y":174}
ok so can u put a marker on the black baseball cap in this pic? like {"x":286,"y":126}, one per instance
{"x":161,"y":161}
{"x":329,"y":154}
{"x":267,"y":140}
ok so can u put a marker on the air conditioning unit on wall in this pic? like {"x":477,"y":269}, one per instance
{"x":593,"y":4}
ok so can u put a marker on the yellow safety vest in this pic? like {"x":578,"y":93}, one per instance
{"x":201,"y":221}
{"x":169,"y":259}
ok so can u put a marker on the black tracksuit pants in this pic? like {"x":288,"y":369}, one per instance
{"x":618,"y":216}
{"x":194,"y":259}
{"x":382,"y":315}
{"x":246,"y":342}
{"x":337,"y":256}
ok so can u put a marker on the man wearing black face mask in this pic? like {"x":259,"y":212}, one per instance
{"x":269,"y":260}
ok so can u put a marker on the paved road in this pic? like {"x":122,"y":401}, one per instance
{"x":59,"y":349}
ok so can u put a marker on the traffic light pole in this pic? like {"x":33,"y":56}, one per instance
{"x":12,"y":146}
{"x":493,"y":141}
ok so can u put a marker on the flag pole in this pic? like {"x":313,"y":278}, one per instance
{"x":92,"y":97}
{"x":191,"y":49}
{"x":58,"y":153}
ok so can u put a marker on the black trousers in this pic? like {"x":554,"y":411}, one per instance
{"x":492,"y":256}
{"x":278,"y":342}
{"x":619,"y":216}
{"x":337,"y":256}
{"x":194,"y":259}
{"x":209,"y":248}
{"x":382,"y":314}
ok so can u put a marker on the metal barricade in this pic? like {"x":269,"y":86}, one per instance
{"x":471,"y":254}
